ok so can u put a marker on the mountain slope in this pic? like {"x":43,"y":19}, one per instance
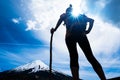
{"x":35,"y":70}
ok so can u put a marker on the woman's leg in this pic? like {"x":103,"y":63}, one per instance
{"x":85,"y":46}
{"x":71,"y":45}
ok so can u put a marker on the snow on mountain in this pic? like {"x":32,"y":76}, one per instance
{"x":36,"y":65}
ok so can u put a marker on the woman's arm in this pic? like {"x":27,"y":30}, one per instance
{"x":58,"y":23}
{"x":91,"y":21}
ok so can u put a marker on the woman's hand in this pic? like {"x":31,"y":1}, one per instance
{"x":52,"y":30}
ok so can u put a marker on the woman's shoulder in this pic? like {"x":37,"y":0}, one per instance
{"x":63,"y":16}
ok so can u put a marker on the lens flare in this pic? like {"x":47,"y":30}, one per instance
{"x":76,"y":7}
{"x":76,"y":11}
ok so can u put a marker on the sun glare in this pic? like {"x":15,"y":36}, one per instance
{"x":76,"y":7}
{"x":76,"y":11}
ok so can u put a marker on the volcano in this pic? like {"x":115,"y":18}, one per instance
{"x":36,"y":70}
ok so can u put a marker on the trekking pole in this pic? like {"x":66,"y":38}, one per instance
{"x":50,"y":65}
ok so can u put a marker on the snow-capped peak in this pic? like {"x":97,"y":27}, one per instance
{"x":36,"y":65}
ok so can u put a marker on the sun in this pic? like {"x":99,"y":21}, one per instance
{"x":76,"y":7}
{"x":75,"y":11}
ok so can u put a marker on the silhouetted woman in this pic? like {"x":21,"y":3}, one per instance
{"x":76,"y":33}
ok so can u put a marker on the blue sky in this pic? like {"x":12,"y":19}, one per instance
{"x":24,"y":34}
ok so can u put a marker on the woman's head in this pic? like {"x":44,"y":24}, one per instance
{"x":69,"y":9}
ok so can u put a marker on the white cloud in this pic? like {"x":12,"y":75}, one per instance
{"x":16,"y":20}
{"x":11,"y":57}
{"x":103,"y":37}
{"x":31,"y":25}
{"x":102,"y":3}
{"x":45,"y":13}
